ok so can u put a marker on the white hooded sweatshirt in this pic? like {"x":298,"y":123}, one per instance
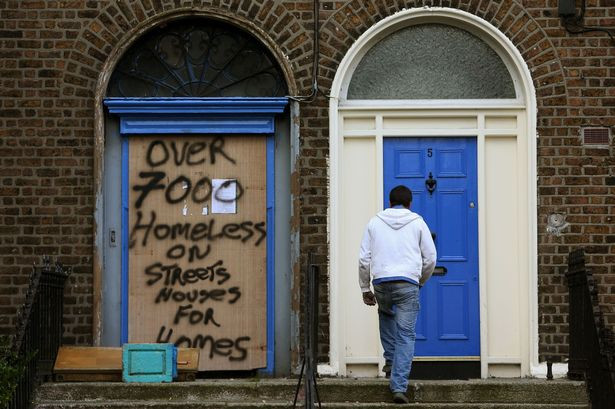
{"x":397,"y":244}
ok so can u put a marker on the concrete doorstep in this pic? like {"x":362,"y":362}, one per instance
{"x":334,"y":393}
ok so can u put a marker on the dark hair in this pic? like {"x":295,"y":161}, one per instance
{"x":400,"y":195}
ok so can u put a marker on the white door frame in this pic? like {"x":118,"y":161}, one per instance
{"x":525,"y":102}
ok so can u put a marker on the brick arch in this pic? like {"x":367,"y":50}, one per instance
{"x":526,"y":46}
{"x":346,"y":25}
{"x":101,"y":43}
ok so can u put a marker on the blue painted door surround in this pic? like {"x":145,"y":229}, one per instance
{"x":205,"y":116}
{"x":448,"y":323}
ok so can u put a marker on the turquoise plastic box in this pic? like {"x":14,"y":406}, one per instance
{"x":149,"y":362}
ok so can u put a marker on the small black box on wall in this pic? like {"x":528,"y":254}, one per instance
{"x":566,"y":8}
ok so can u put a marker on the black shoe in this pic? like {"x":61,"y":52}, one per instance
{"x":387,"y":371}
{"x":399,"y":397}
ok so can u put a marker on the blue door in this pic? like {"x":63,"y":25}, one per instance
{"x":441,"y":172}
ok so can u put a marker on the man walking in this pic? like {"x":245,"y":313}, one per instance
{"x":399,"y":252}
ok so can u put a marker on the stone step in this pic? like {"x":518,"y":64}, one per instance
{"x":331,"y":390}
{"x":473,"y":391}
{"x":288,"y":405}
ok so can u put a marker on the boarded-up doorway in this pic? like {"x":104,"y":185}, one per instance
{"x":197,"y":247}
{"x":190,"y":83}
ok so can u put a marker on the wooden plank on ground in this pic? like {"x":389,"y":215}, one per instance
{"x":104,"y":364}
{"x":88,"y":359}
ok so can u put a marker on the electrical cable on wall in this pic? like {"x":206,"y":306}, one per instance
{"x":573,"y":22}
{"x":315,"y":57}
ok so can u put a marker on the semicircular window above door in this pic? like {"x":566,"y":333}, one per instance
{"x":197,"y":58}
{"x":431,"y":61}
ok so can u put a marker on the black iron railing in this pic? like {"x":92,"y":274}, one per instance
{"x":39,"y":329}
{"x":592,"y":349}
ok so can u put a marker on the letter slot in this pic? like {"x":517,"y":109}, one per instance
{"x":440,"y":271}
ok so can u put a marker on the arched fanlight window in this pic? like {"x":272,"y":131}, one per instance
{"x":197,"y":58}
{"x":431,"y":61}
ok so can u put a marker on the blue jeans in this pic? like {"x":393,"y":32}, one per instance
{"x":398,"y":309}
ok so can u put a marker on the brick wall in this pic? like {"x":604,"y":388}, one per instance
{"x":46,"y":155}
{"x":51,"y":53}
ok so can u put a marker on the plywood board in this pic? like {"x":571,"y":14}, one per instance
{"x":197,"y":278}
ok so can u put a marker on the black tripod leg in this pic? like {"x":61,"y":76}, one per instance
{"x":299,"y":384}
{"x":316,"y":390}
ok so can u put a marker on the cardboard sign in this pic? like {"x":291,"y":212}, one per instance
{"x":197,"y":277}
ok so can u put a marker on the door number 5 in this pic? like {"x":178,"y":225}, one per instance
{"x":429,"y":152}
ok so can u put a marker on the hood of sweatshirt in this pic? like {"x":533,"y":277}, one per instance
{"x":397,"y":218}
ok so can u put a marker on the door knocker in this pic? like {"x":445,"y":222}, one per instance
{"x":431,"y":184}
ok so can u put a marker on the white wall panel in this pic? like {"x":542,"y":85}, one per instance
{"x":359,"y":202}
{"x":501,"y":122}
{"x":503,"y":266}
{"x":430,"y":123}
{"x":352,"y":124}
